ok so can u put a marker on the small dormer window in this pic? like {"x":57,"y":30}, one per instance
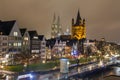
{"x":15,"y":33}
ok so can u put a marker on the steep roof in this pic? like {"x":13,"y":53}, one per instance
{"x":78,"y":20}
{"x":6,"y":27}
{"x":23,"y":30}
{"x":32,"y":33}
{"x":41,"y":37}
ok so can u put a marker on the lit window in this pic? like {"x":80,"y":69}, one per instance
{"x":10,"y":44}
{"x":15,"y":44}
{"x":15,"y":33}
{"x":35,"y":37}
{"x":19,"y":44}
{"x":26,"y":38}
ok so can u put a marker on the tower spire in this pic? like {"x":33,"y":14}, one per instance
{"x":59,"y":27}
{"x":78,"y":18}
{"x":54,"y":19}
{"x":58,"y":21}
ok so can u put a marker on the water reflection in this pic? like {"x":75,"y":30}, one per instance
{"x":107,"y":74}
{"x":112,"y":73}
{"x":117,"y":71}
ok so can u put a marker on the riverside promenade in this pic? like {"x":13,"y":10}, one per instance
{"x":55,"y":74}
{"x":75,"y":70}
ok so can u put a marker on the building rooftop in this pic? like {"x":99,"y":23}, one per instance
{"x":40,"y":37}
{"x":23,"y":30}
{"x":6,"y":27}
{"x":32,"y":33}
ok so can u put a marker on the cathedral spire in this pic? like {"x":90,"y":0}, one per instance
{"x":59,"y":27}
{"x":54,"y":19}
{"x":78,"y":18}
{"x":58,"y":21}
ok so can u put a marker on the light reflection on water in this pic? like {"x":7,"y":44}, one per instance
{"x":117,"y":71}
{"x":102,"y":75}
{"x":112,"y":74}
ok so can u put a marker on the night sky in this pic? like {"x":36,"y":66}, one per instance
{"x":102,"y":16}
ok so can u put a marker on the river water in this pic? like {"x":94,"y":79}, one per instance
{"x":112,"y":73}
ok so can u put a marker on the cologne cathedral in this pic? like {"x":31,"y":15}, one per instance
{"x":56,"y":27}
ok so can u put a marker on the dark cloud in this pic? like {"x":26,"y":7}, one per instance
{"x":102,"y":16}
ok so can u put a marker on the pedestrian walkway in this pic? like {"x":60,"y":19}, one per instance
{"x":75,"y":71}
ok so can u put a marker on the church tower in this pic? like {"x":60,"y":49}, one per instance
{"x":78,"y":28}
{"x":56,"y":29}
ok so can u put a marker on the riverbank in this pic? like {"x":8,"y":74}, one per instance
{"x":74,"y":70}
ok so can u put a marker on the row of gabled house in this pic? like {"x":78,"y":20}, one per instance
{"x":15,"y":40}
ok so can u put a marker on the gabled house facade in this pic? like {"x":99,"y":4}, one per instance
{"x":10,"y":37}
{"x":42,"y":47}
{"x":10,"y":41}
{"x":34,"y":42}
{"x":25,"y":40}
{"x":15,"y":40}
{"x":3,"y":44}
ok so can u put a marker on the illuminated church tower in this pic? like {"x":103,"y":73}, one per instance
{"x":78,"y":28}
{"x":56,"y":30}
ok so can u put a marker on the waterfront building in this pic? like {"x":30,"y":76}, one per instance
{"x":25,"y":40}
{"x":10,"y":39}
{"x":48,"y":53}
{"x":42,"y":47}
{"x":58,"y":49}
{"x":78,"y":28}
{"x":90,"y":47}
{"x":55,"y":49}
{"x":34,"y":42}
{"x":3,"y":44}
